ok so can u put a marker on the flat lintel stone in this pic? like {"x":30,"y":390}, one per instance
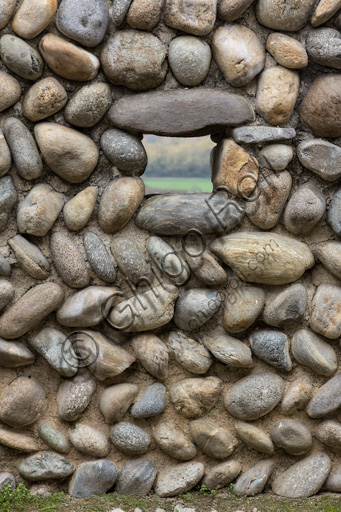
{"x":258,"y":134}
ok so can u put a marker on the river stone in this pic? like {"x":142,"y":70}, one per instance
{"x":5,"y":267}
{"x":176,"y":214}
{"x":325,"y":317}
{"x":239,"y":314}
{"x":152,"y":354}
{"x":291,"y":435}
{"x":277,"y":93}
{"x":17,"y":441}
{"x":195,"y":19}
{"x":229,"y":351}
{"x":89,"y":440}
{"x":206,"y":268}
{"x":255,"y":438}
{"x":54,"y":346}
{"x":6,"y":293}
{"x":151,"y":403}
{"x":329,"y":254}
{"x":195,"y":307}
{"x":7,"y":478}
{"x":276,"y":157}
{"x":86,"y":307}
{"x":88,"y":105}
{"x":147,"y":310}
{"x":14,"y":355}
{"x":74,"y":395}
{"x":98,"y":257}
{"x":334,"y":213}
{"x":119,"y":10}
{"x":189,"y":59}
{"x":221,"y":475}
{"x":125,"y":151}
{"x":185,"y":112}
{"x":296,"y":395}
{"x":333,"y":482}
{"x":304,"y":209}
{"x":283,"y":15}
{"x":39,"y":210}
{"x":144,"y":14}
{"x":258,"y":134}
{"x":68,"y":60}
{"x":230,"y":10}
{"x":178,"y":479}
{"x":83,"y":20}
{"x":254,"y":480}
{"x":321,"y":108}
{"x":326,"y":400}
{"x":238,"y":53}
{"x":171,"y":439}
{"x":324,"y":11}
{"x":190,"y":354}
{"x":45,"y":466}
{"x":313,"y":352}
{"x":247,"y":253}
{"x":215,"y":442}
{"x":287,"y":51}
{"x":129,"y":438}
{"x":272,"y":193}
{"x":93,"y":478}
{"x":232,"y":167}
{"x":246,"y":399}
{"x":315,"y":469}
{"x":288,"y":306}
{"x":53,"y":438}
{"x":11,"y":94}
{"x":324,"y":47}
{"x":33,"y":307}
{"x":23,"y":148}
{"x":5,"y":154}
{"x":116,"y":400}
{"x":193,"y":397}
{"x":78,"y":210}
{"x":20,"y":57}
{"x":68,"y":260}
{"x":136,"y":477}
{"x":329,"y":433}
{"x":272,"y":347}
{"x":119,"y":202}
{"x":8,"y":198}
{"x":30,"y":257}
{"x":321,"y":157}
{"x":139,"y":52}
{"x":131,"y":261}
{"x":31,"y":18}
{"x":22,"y":402}
{"x":7,"y":8}
{"x":168,"y":260}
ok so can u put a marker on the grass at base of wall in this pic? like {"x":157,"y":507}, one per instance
{"x":202,"y":500}
{"x":183,"y":184}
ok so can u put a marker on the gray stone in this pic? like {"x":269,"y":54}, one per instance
{"x":11,"y":94}
{"x":275,"y":156}
{"x":230,"y":10}
{"x":329,"y":433}
{"x":7,"y":8}
{"x":125,"y":151}
{"x":131,"y":261}
{"x":324,"y":47}
{"x":189,"y":59}
{"x":39,"y":210}
{"x":20,"y":57}
{"x":45,"y":466}
{"x":193,"y":397}
{"x":254,"y":480}
{"x":195,"y":307}
{"x":94,"y":477}
{"x":215,"y":442}
{"x":7,"y":478}
{"x":73,"y":396}
{"x":98,"y":257}
{"x":14,"y":355}
{"x":168,"y":260}
{"x":88,"y":105}
{"x":152,"y":402}
{"x":119,"y":10}
{"x":243,"y":309}
{"x":43,"y":99}
{"x":246,"y":399}
{"x":329,"y":254}
{"x":129,"y":438}
{"x":83,"y":21}
{"x":178,"y":479}
{"x":8,"y":198}
{"x":205,"y":267}
{"x":288,"y":306}
{"x":54,"y":346}
{"x":304,"y":209}
{"x":190,"y":354}
{"x":53,"y":437}
{"x":291,"y":435}
{"x":315,"y":469}
{"x":326,"y":400}
{"x":116,"y":400}
{"x":272,"y":347}
{"x":255,"y":438}
{"x":179,"y":113}
{"x":136,"y":477}
{"x":258,"y":134}
{"x":228,"y":350}
{"x":5,"y":267}
{"x":152,"y":354}
{"x":321,"y":157}
{"x":68,"y":260}
{"x":334,"y":213}
{"x":179,"y":14}
{"x":5,"y":154}
{"x":77,"y":212}
{"x":30,"y":257}
{"x":333,"y":482}
{"x":313,"y":352}
{"x":325,"y":316}
{"x":221,"y":475}
{"x":283,"y":15}
{"x":296,"y":395}
{"x":171,"y":439}
{"x":89,"y":440}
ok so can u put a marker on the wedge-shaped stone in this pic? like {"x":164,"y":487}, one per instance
{"x":30,"y":257}
{"x":265,"y":258}
{"x":229,"y":350}
{"x":253,"y":481}
{"x":172,"y":440}
{"x":243,"y":308}
{"x":193,"y":397}
{"x":311,"y":351}
{"x":296,"y":395}
{"x":13,"y":355}
{"x":272,"y":347}
{"x":215,"y":442}
{"x":327,"y":399}
{"x":195,"y":307}
{"x":321,"y":157}
{"x":54,"y":346}
{"x":288,"y":306}
{"x":329,"y":254}
{"x":178,"y":479}
{"x":116,"y":400}
{"x":190,"y":354}
{"x":152,"y":354}
{"x":45,"y":466}
{"x":187,"y":112}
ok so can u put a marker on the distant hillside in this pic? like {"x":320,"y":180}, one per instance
{"x":174,"y":157}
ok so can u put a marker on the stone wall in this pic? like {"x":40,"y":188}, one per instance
{"x":158,"y":342}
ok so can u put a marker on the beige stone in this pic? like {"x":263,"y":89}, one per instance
{"x":10,"y":90}
{"x":68,"y":260}
{"x":214,"y":441}
{"x":324,"y":11}
{"x":89,"y":440}
{"x":44,"y":99}
{"x":78,"y":210}
{"x":290,"y":15}
{"x":230,"y":10}
{"x":171,"y":439}
{"x":69,"y":153}
{"x":152,"y":354}
{"x":287,"y":51}
{"x":255,"y":438}
{"x":5,"y":155}
{"x":196,"y":18}
{"x":116,"y":400}
{"x":277,"y":94}
{"x":6,"y":10}
{"x":144,"y":14}
{"x":296,"y":395}
{"x":18,"y":441}
{"x":32,"y":17}
{"x":22,"y":402}
{"x":67,"y":60}
{"x":194,"y":397}
{"x":234,"y":168}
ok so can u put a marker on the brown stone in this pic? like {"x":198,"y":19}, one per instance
{"x":296,"y":395}
{"x":10,"y":90}
{"x":144,"y":14}
{"x":116,"y":400}
{"x":215,"y":442}
{"x":68,"y":260}
{"x":22,"y":402}
{"x":291,"y":15}
{"x":324,"y":11}
{"x":171,"y":439}
{"x":195,"y":18}
{"x":32,"y":17}
{"x":44,"y":99}
{"x":206,"y":268}
{"x":152,"y":354}
{"x":78,"y":210}
{"x":287,"y":51}
{"x":230,"y":10}
{"x":193,"y":397}
{"x":18,"y":441}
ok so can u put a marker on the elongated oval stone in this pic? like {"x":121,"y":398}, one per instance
{"x":321,"y":157}
{"x":168,"y":260}
{"x":98,"y":257}
{"x":20,"y":57}
{"x":13,"y":355}
{"x":190,"y":354}
{"x":254,"y":480}
{"x":326,"y":400}
{"x":53,"y":437}
{"x":45,"y":466}
{"x":229,"y":350}
{"x":30,"y":257}
{"x":311,"y":351}
{"x":265,"y":258}
{"x":255,"y":438}
{"x":152,"y":354}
